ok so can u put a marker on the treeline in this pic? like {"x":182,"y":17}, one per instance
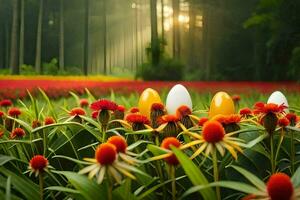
{"x":200,"y":39}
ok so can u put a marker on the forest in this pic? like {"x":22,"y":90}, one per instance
{"x":152,"y":39}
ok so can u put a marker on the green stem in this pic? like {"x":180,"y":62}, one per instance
{"x":292,"y":153}
{"x":109,"y":188}
{"x":161,"y":176}
{"x":172,"y":173}
{"x":41,"y":183}
{"x":279,"y":145}
{"x":45,"y":142}
{"x":216,"y":173}
{"x":103,"y":127}
{"x":272,"y":158}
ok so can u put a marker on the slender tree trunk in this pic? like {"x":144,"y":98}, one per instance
{"x":21,"y":48}
{"x":162,"y":21}
{"x":192,"y":16}
{"x":104,"y":37}
{"x":14,"y":39}
{"x":141,"y":31}
{"x":136,"y":36}
{"x":207,"y":40}
{"x":86,"y":37}
{"x":61,"y":37}
{"x":176,"y":31}
{"x":38,"y":66}
{"x":155,"y":49}
{"x":6,"y":41}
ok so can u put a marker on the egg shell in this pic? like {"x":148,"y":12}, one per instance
{"x":278,"y":98}
{"x":221,"y":104}
{"x":148,"y":97}
{"x":178,"y":96}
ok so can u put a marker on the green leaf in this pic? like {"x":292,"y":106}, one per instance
{"x":22,"y":123}
{"x":253,"y":179}
{"x":242,"y":187}
{"x":194,"y":173}
{"x":49,"y":104}
{"x":4,"y":159}
{"x":296,"y":178}
{"x":63,"y":189}
{"x":22,"y":184}
{"x":156,"y":150}
{"x":8,"y":188}
{"x":89,"y":189}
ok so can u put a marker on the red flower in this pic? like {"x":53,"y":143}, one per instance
{"x":49,"y":120}
{"x":236,"y":98}
{"x":280,"y":187}
{"x":38,"y":163}
{"x":202,"y":120}
{"x":5,"y":103}
{"x":137,"y":118}
{"x":245,"y":111}
{"x":77,"y":111}
{"x":292,"y":117}
{"x":168,"y":118}
{"x":283,"y":122}
{"x":104,"y":104}
{"x":119,"y":142}
{"x":1,"y":133}
{"x":95,"y":114}
{"x":213,"y":131}
{"x":166,"y":144}
{"x":157,"y":106}
{"x":121,"y":108}
{"x":106,"y":153}
{"x":183,"y":111}
{"x":228,"y":119}
{"x":83,"y":103}
{"x":14,"y":112}
{"x":134,"y":110}
{"x":36,"y":123}
{"x":1,"y":113}
{"x":17,"y":132}
{"x":268,"y":108}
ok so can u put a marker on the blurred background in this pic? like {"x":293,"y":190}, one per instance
{"x":152,"y":39}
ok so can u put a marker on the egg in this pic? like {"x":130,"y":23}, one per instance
{"x":278,"y":98}
{"x":177,"y":97}
{"x":148,"y":97}
{"x":221,"y":104}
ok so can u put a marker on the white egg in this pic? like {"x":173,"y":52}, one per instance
{"x":278,"y":98}
{"x":177,"y":97}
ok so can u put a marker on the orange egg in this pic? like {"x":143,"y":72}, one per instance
{"x":147,"y":98}
{"x":221,"y":104}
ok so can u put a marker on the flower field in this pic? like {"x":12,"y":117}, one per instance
{"x":106,"y":140}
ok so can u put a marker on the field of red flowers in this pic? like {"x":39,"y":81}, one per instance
{"x":11,"y":88}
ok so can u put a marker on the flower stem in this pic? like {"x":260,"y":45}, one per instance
{"x":279,"y":145}
{"x":41,"y":183}
{"x":109,"y":188}
{"x":103,"y":127}
{"x":292,"y":153}
{"x":272,"y":158}
{"x":216,"y":173}
{"x":172,"y":174}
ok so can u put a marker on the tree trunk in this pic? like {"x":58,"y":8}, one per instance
{"x":176,"y":31}
{"x":61,"y":37}
{"x":136,"y":36}
{"x":155,"y":49}
{"x":86,"y":37}
{"x":192,"y":56}
{"x":162,"y":22}
{"x":104,"y":38}
{"x":14,"y":39}
{"x":207,"y":40}
{"x":38,"y":66}
{"x":21,"y":48}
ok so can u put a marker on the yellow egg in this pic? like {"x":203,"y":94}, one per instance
{"x":221,"y":104}
{"x":147,"y":98}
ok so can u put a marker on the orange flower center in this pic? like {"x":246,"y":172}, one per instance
{"x":166,"y":144}
{"x":213,"y":131}
{"x":119,"y":142}
{"x":106,"y":154}
{"x":280,"y":187}
{"x":38,"y":162}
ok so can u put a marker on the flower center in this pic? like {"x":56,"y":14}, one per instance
{"x":38,"y":162}
{"x":106,"y":154}
{"x":213,"y":131}
{"x":280,"y":187}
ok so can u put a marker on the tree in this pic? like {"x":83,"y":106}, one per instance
{"x":14,"y":39}
{"x":155,"y":46}
{"x":61,"y":37}
{"x":176,"y":31}
{"x":104,"y":37}
{"x":22,"y":21}
{"x":38,"y":66}
{"x":86,"y":37}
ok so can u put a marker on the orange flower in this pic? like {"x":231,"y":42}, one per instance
{"x":236,"y":98}
{"x":134,"y":110}
{"x":1,"y":114}
{"x":120,"y":108}
{"x":36,"y":123}
{"x":280,"y":187}
{"x":77,"y":111}
{"x":228,"y":119}
{"x":137,"y":118}
{"x":166,"y":144}
{"x":245,"y":111}
{"x":83,"y":103}
{"x":17,"y":132}
{"x":1,"y":133}
{"x":213,"y":132}
{"x":157,"y":106}
{"x":104,"y":104}
{"x":202,"y":120}
{"x":292,"y":117}
{"x":14,"y":112}
{"x":268,"y":108}
{"x":168,"y":118}
{"x":38,"y":163}
{"x":183,"y":111}
{"x":49,"y":120}
{"x":119,"y":142}
{"x":106,"y":154}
